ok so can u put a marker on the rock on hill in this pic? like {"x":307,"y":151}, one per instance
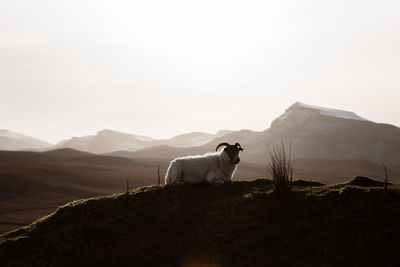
{"x":237,"y":224}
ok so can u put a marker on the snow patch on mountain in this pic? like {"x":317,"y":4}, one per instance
{"x":143,"y":138}
{"x":301,"y":113}
{"x":112,"y":133}
{"x":332,"y":112}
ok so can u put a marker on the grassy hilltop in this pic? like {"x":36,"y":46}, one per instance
{"x":238,"y":224}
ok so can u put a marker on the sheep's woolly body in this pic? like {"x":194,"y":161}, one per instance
{"x":215,"y":168}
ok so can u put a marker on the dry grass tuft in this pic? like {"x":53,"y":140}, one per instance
{"x":280,"y":165}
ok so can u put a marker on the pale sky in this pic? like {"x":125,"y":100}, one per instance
{"x":161,"y":68}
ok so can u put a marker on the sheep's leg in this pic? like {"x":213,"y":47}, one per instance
{"x":174,"y":174}
{"x":218,"y":181}
{"x":212,"y":179}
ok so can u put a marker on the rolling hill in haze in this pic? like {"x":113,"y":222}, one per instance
{"x":34,"y":184}
{"x":192,"y":139}
{"x":15,"y":141}
{"x":107,"y":141}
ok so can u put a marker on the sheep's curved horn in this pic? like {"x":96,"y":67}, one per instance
{"x":222,"y":144}
{"x":239,"y":146}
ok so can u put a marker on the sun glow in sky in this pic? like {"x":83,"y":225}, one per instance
{"x":161,"y":68}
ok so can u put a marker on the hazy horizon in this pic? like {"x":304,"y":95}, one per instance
{"x":159,"y":69}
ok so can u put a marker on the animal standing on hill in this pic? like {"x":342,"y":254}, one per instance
{"x":215,"y":168}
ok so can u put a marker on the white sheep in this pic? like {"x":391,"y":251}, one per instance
{"x":215,"y":168}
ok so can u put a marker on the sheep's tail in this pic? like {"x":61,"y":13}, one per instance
{"x":174,"y":173}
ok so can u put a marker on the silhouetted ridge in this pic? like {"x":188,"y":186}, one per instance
{"x":306,"y":183}
{"x":365,"y":181}
{"x":67,"y":152}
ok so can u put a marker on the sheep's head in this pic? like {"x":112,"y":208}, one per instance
{"x":232,"y":151}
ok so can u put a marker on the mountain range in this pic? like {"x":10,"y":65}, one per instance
{"x":107,"y":141}
{"x":313,"y":132}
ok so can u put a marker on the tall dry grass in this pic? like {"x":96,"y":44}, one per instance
{"x":280,"y":165}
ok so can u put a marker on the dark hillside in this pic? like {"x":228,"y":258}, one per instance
{"x":237,"y":224}
{"x":34,"y":184}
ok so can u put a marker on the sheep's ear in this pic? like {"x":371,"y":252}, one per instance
{"x":222,"y":144}
{"x":239,"y":147}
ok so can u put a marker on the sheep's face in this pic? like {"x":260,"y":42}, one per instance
{"x":232,"y":151}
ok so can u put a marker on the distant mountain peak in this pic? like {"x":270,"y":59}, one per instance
{"x":10,"y":134}
{"x":223,"y":132}
{"x":326,"y":111}
{"x":300,"y":113}
{"x":15,"y":141}
{"x":108,"y":132}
